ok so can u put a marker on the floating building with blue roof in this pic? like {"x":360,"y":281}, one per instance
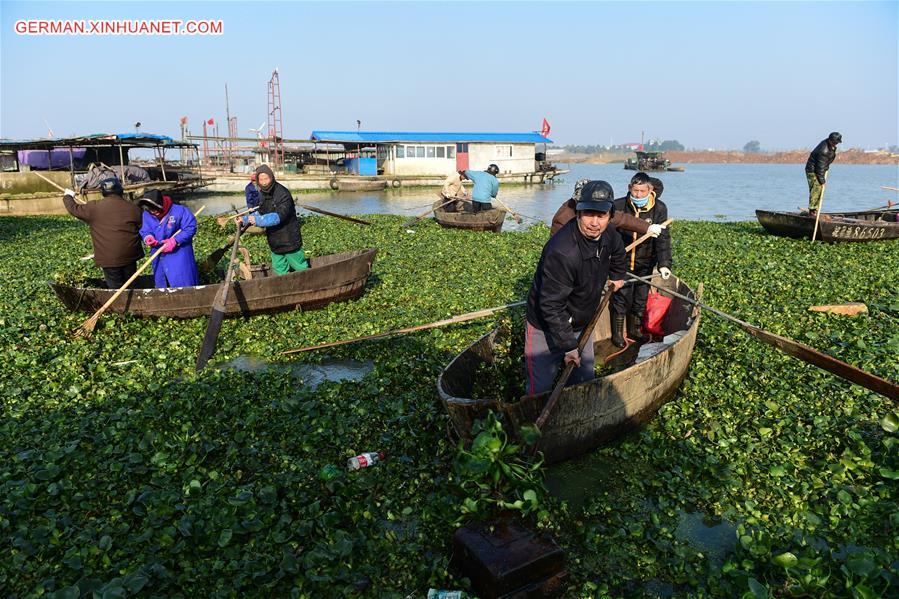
{"x":421,"y":153}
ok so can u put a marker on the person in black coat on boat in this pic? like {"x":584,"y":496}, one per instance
{"x":816,"y":168}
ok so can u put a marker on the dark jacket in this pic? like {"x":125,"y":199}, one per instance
{"x":284,"y":237}
{"x":115,"y":224}
{"x":820,"y":159}
{"x":569,"y":281}
{"x":651,"y":252}
{"x":621,"y":220}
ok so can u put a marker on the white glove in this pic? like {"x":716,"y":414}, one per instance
{"x":665,"y":272}
{"x":68,"y":192}
{"x":656,"y":230}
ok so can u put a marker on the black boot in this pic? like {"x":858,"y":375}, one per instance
{"x":618,"y":330}
{"x":634,"y":328}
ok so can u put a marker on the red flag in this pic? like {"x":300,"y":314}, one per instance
{"x":544,"y":131}
{"x":210,"y":122}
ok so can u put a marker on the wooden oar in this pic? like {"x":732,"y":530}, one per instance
{"x":218,"y":309}
{"x":797,"y":349}
{"x":820,"y":207}
{"x":518,"y":218}
{"x":644,"y":237}
{"x":586,"y":335}
{"x":890,"y":188}
{"x":51,"y":182}
{"x":415,"y":219}
{"x":223,"y":220}
{"x":87,"y":327}
{"x":334,"y":214}
{"x":422,"y":327}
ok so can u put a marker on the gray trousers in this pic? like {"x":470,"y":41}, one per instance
{"x":543,"y":361}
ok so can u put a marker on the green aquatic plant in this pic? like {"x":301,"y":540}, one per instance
{"x":123,"y":472}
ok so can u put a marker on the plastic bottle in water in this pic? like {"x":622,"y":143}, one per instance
{"x":364,"y":460}
{"x":435,"y":594}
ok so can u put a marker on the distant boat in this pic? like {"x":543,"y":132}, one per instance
{"x":351,"y":184}
{"x":868,"y":225}
{"x":651,"y":162}
{"x":486,"y":220}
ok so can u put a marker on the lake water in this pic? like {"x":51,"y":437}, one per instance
{"x":730,"y":192}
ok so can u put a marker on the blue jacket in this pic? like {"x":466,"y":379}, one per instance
{"x":485,"y":186}
{"x":179,"y":267}
{"x":252,"y":192}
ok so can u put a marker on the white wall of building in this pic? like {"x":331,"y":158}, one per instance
{"x":510,"y":158}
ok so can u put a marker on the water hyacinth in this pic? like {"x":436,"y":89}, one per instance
{"x":123,"y":472}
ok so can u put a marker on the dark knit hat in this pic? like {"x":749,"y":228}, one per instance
{"x":657,"y":186}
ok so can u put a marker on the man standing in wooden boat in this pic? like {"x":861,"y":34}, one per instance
{"x":629,"y":304}
{"x":567,"y":289}
{"x":114,"y":224}
{"x":176,"y":266}
{"x":486,"y":186}
{"x":278,"y":216}
{"x":452,"y":188}
{"x":816,"y":168}
{"x":621,"y":220}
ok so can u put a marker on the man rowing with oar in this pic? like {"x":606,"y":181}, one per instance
{"x":567,"y":288}
{"x":452,"y":189}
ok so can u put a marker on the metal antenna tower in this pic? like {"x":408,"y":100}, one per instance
{"x":275,"y":122}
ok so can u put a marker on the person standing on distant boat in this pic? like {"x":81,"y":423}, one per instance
{"x":630,"y":303}
{"x":176,"y":266}
{"x":252,"y":192}
{"x":278,"y":216}
{"x":816,"y":168}
{"x":620,"y":219}
{"x":486,"y":186}
{"x":114,"y":224}
{"x":452,"y":188}
{"x":567,"y":289}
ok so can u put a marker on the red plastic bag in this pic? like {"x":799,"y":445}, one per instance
{"x":656,"y":308}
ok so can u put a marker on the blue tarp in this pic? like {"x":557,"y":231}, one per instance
{"x":424,"y":137}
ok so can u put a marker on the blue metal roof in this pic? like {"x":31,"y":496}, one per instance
{"x":425,"y":137}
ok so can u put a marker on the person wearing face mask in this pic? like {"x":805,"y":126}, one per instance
{"x":176,"y":266}
{"x":628,"y":304}
{"x":278,"y":216}
{"x":567,"y":289}
{"x":621,"y":220}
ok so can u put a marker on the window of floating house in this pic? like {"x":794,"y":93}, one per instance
{"x":401,"y":151}
{"x":441,"y":151}
{"x":504,"y":151}
{"x":419,"y":151}
{"x":432,"y":151}
{"x":450,"y":151}
{"x":410,"y":151}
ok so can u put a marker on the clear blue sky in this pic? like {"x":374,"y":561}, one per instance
{"x":710,"y":74}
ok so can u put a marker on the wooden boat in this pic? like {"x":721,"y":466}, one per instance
{"x":867,"y":225}
{"x":591,"y":413}
{"x":487,"y":220}
{"x":331,"y":278}
{"x":361,"y":184}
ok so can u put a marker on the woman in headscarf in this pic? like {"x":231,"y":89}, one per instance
{"x":176,"y":265}
{"x":278,"y":216}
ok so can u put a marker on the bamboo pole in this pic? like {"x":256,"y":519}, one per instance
{"x":422,"y":327}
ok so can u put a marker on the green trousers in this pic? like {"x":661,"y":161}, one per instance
{"x":284,"y":263}
{"x":815,"y":191}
